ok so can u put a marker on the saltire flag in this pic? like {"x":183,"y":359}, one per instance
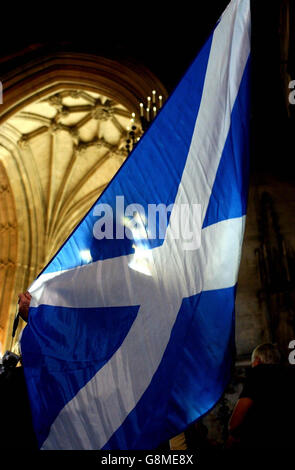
{"x":131,"y":331}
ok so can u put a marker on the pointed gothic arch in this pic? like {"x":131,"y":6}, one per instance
{"x":63,"y":128}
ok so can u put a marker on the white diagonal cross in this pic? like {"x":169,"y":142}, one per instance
{"x":115,"y":390}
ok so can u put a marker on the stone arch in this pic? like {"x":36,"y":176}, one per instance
{"x":125,"y":82}
{"x":8,"y":250}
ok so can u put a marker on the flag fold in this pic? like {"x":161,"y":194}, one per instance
{"x":131,"y":328}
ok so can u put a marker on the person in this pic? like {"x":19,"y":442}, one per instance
{"x":16,"y":430}
{"x":264,"y":414}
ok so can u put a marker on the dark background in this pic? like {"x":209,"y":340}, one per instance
{"x":165,"y":38}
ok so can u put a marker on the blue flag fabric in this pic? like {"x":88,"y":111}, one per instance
{"x":131,"y":328}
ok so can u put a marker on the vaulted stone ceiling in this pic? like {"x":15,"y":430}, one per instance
{"x":73,"y":142}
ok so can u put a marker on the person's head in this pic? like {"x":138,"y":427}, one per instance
{"x":266,"y":353}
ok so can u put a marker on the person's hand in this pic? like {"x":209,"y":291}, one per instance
{"x":24,"y":300}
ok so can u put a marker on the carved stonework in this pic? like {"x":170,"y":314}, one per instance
{"x":8,"y":251}
{"x":56,"y":101}
{"x":102,"y":113}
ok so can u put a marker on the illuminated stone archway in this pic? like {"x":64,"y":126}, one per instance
{"x":8,"y":247}
{"x":63,"y":130}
